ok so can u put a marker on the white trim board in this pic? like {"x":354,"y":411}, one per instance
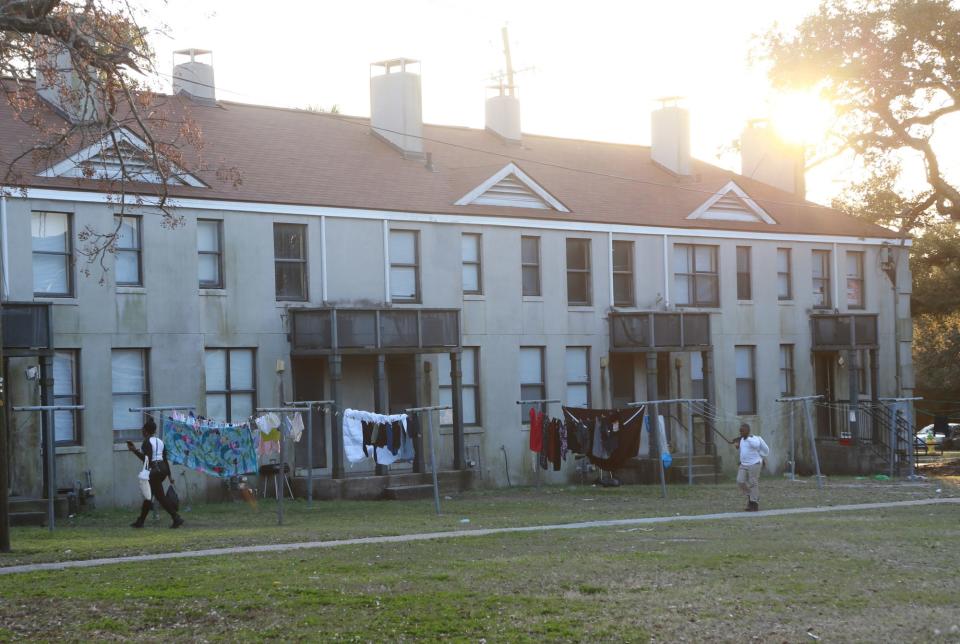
{"x":511,"y":170}
{"x":70,"y":167}
{"x":80,"y":196}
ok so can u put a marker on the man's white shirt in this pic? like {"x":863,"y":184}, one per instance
{"x":753,"y":450}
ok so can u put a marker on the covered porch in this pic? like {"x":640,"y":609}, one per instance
{"x":372,"y":358}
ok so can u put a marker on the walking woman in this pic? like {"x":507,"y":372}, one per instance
{"x":155,"y":468}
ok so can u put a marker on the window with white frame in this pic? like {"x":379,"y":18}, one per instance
{"x":578,"y":376}
{"x":744,"y":274}
{"x":290,"y":261}
{"x":130,"y":386}
{"x":128,"y":248}
{"x":52,"y":244}
{"x":855,"y":298}
{"x":231,"y":384}
{"x":746,"y":380}
{"x":210,"y":253}
{"x":786,"y":370}
{"x":472,"y":274}
{"x":784,"y":274}
{"x":530,"y":265}
{"x":578,"y":272}
{"x":66,"y":391}
{"x":821,"y":279}
{"x":695,"y":278}
{"x":532,"y":384}
{"x":470,"y":368}
{"x":623,"y":273}
{"x":404,"y":266}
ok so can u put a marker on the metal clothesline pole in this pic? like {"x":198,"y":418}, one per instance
{"x":280,"y":471}
{"x":433,"y":449}
{"x":542,"y":402}
{"x":811,"y":434}
{"x":51,"y":454}
{"x":309,"y":405}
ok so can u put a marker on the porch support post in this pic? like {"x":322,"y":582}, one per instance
{"x":46,"y":425}
{"x":709,"y":393}
{"x":875,"y":391}
{"x":419,"y":377}
{"x":380,"y":394}
{"x":336,"y":421}
{"x":654,"y":416}
{"x":456,"y":381}
{"x":853,"y":380}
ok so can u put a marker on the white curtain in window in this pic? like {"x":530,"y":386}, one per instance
{"x":241,"y":407}
{"x":127,"y":267}
{"x":127,"y":375}
{"x":64,"y":390}
{"x":241,"y":369}
{"x":744,"y":362}
{"x":217,"y":406}
{"x":50,"y":274}
{"x":531,"y":367}
{"x":403,"y":247}
{"x":216,"y":369}
{"x":208,"y":233}
{"x":48,"y":231}
{"x":403,"y":282}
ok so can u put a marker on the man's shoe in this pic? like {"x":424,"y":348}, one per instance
{"x":177,"y":522}
{"x":754,"y":506}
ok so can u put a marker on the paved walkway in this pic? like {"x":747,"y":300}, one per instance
{"x":454,"y":534}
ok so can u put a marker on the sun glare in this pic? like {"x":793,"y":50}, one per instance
{"x":800,"y":117}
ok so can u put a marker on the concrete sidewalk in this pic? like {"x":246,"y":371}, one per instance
{"x":425,"y":536}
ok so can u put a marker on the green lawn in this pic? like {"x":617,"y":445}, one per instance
{"x":883,"y":575}
{"x":106,"y":533}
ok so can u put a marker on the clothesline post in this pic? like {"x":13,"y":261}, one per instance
{"x":653,"y":416}
{"x":807,"y":402}
{"x":309,"y":405}
{"x":689,"y":406}
{"x":433,"y":450}
{"x":281,"y":472}
{"x":51,"y":452}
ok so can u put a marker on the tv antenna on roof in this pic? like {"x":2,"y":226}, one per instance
{"x":505,"y":78}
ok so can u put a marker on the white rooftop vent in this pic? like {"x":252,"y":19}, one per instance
{"x":731,"y":203}
{"x":194,"y":77}
{"x":670,"y":137}
{"x":511,"y":187}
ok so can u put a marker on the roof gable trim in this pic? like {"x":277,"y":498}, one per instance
{"x":98,"y":161}
{"x":731,"y":203}
{"x":512,"y":187}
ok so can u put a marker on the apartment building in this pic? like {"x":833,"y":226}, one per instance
{"x":387,"y":263}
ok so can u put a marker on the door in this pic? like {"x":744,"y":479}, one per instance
{"x":825,"y":385}
{"x":308,"y":376}
{"x":622,"y":379}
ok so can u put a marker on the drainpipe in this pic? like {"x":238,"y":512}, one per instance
{"x":386,"y":261}
{"x":4,"y":251}
{"x":666,"y":273}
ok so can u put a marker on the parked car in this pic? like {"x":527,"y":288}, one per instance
{"x":936,"y":440}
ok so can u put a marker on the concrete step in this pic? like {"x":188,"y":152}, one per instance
{"x":28,"y":518}
{"x":374,"y":487}
{"x":26,"y":504}
{"x":408,"y":492}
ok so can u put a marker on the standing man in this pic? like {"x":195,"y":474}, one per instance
{"x":753,"y":450}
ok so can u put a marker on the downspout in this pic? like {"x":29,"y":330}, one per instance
{"x":4,"y":251}
{"x":323,"y":259}
{"x":666,"y":273}
{"x":610,"y":261}
{"x":386,"y":261}
{"x":836,"y":277}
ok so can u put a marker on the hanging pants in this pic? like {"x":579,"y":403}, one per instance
{"x":748,"y":479}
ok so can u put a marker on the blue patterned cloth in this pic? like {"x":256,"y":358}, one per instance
{"x":211,"y":448}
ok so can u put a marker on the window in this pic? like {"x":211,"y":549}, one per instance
{"x":821,"y":279}
{"x":128,"y":248}
{"x":404,"y":266}
{"x":744,"y":290}
{"x":66,"y":391}
{"x":746,"y":380}
{"x":130,"y":386}
{"x":854,"y":279}
{"x":695,"y":278}
{"x":472,"y":275}
{"x":532,"y":386}
{"x":623,"y":273}
{"x":290,"y":261}
{"x":210,"y":253}
{"x":784,"y":274}
{"x":52,"y":248}
{"x":696,"y":375}
{"x":530,"y":264}
{"x":786,"y":370}
{"x":578,"y":272}
{"x":578,"y":376}
{"x":470,"y":368}
{"x":231,"y":384}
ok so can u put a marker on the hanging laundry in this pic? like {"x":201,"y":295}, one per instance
{"x":536,"y":430}
{"x":609,"y":437}
{"x":297,"y":424}
{"x":213,"y":448}
{"x":269,"y":425}
{"x":367,"y":434}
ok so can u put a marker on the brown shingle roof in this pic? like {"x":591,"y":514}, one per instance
{"x":305,"y":158}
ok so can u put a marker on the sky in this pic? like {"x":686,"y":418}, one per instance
{"x":598,"y":67}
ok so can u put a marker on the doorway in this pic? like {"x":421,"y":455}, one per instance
{"x":308,"y":378}
{"x":824,"y":374}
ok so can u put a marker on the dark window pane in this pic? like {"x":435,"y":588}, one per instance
{"x":577,"y":288}
{"x":530,"y":250}
{"x":288,"y":241}
{"x":666,"y":330}
{"x":291,"y":280}
{"x":743,"y":286}
{"x":531,"y":280}
{"x":439,"y":328}
{"x":622,"y":255}
{"x":623,"y":289}
{"x":398,"y":328}
{"x":356,"y":329}
{"x":706,"y":290}
{"x":578,"y":254}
